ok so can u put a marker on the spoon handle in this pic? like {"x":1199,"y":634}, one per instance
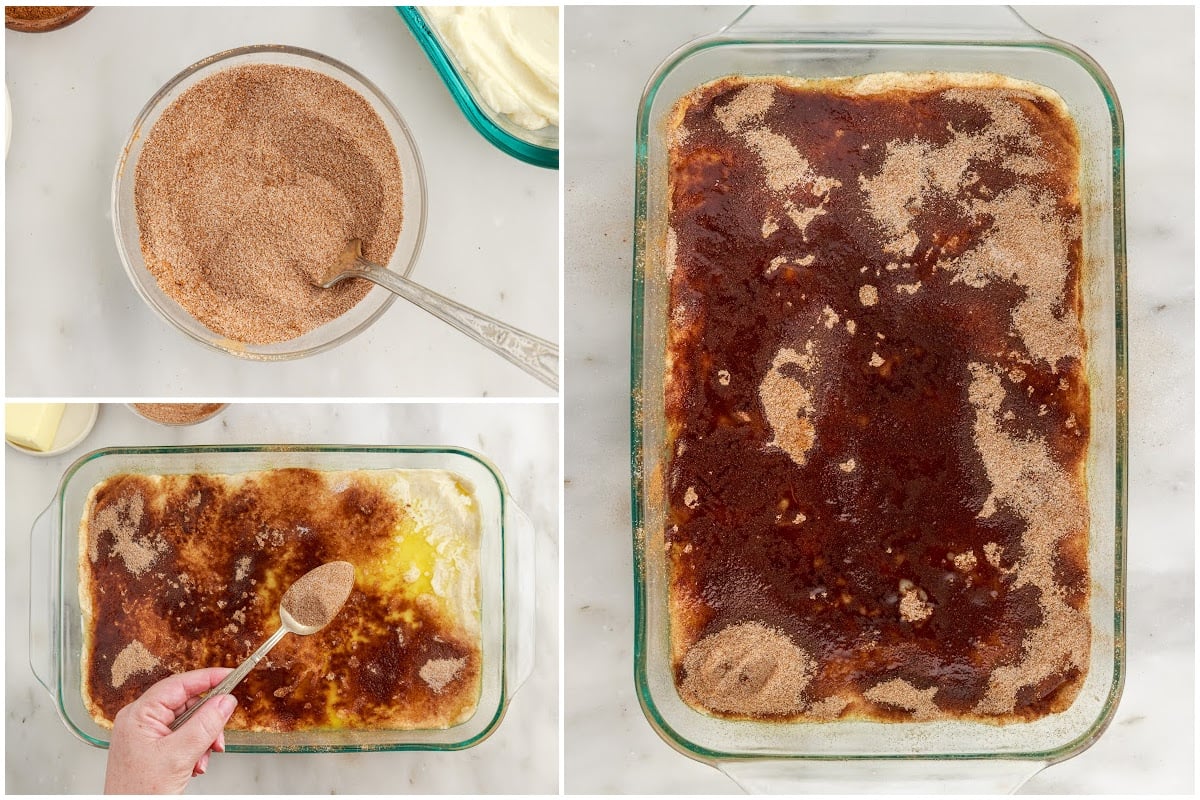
{"x":531,"y":353}
{"x":234,"y":678}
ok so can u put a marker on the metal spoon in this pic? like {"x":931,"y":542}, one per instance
{"x":531,"y":353}
{"x":304,"y":583}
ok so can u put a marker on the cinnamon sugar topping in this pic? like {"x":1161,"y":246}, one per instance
{"x":439,"y":672}
{"x":1026,"y":478}
{"x":902,"y":694}
{"x":921,"y":553}
{"x":747,"y":669}
{"x":788,"y":404}
{"x":134,"y":659}
{"x":121,"y":522}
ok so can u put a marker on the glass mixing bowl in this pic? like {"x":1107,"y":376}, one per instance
{"x":332,"y":333}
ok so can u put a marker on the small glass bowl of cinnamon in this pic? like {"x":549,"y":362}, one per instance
{"x":128,"y":235}
{"x":177,"y":414}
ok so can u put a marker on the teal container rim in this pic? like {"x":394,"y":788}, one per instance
{"x":639,"y":480}
{"x":232,"y":747}
{"x":524,"y":151}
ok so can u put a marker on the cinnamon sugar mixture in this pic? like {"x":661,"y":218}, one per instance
{"x":319,"y":595}
{"x":177,"y":413}
{"x":36,"y":12}
{"x":250,"y":184}
{"x":876,"y":399}
{"x":134,"y":659}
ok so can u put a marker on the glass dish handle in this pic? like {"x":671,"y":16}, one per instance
{"x":902,"y":22}
{"x":523,"y":599}
{"x":43,"y":588}
{"x":975,"y":776}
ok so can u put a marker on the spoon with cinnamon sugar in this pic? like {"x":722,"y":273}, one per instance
{"x":307,"y":606}
{"x":531,"y":353}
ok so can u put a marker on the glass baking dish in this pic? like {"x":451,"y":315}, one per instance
{"x":844,"y":756}
{"x":506,"y":584}
{"x":332,"y":333}
{"x":538,"y":147}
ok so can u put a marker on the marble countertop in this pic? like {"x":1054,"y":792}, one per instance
{"x":42,"y":756}
{"x":77,"y":327}
{"x":610,"y":53}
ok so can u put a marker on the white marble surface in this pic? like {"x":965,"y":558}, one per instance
{"x":610,"y":52}
{"x":75,"y":324}
{"x":42,"y":756}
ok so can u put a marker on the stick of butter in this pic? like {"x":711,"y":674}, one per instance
{"x":32,"y":425}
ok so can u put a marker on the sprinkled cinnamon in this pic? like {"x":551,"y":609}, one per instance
{"x":965,"y":562}
{"x":121,"y":522}
{"x":788,"y":404}
{"x":439,"y":672}
{"x":690,"y":498}
{"x":901,"y":693}
{"x":747,"y":668}
{"x":914,"y":603}
{"x":1028,"y":239}
{"x":134,"y":659}
{"x":784,"y":167}
{"x":1025,"y":477}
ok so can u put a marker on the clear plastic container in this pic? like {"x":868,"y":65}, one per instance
{"x":332,"y":333}
{"x":872,"y":756}
{"x":538,"y":147}
{"x":506,"y":583}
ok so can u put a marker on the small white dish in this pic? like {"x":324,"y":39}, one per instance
{"x":77,"y":422}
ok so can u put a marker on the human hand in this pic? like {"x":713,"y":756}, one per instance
{"x":146,"y":756}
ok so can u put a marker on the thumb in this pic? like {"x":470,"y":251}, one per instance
{"x":197,"y":735}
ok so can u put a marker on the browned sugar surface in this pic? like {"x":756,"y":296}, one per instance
{"x":876,"y":399}
{"x":250,"y":184}
{"x":188,"y":571}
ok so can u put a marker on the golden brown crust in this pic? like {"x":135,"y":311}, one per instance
{"x":179,"y":572}
{"x":877,"y":407}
